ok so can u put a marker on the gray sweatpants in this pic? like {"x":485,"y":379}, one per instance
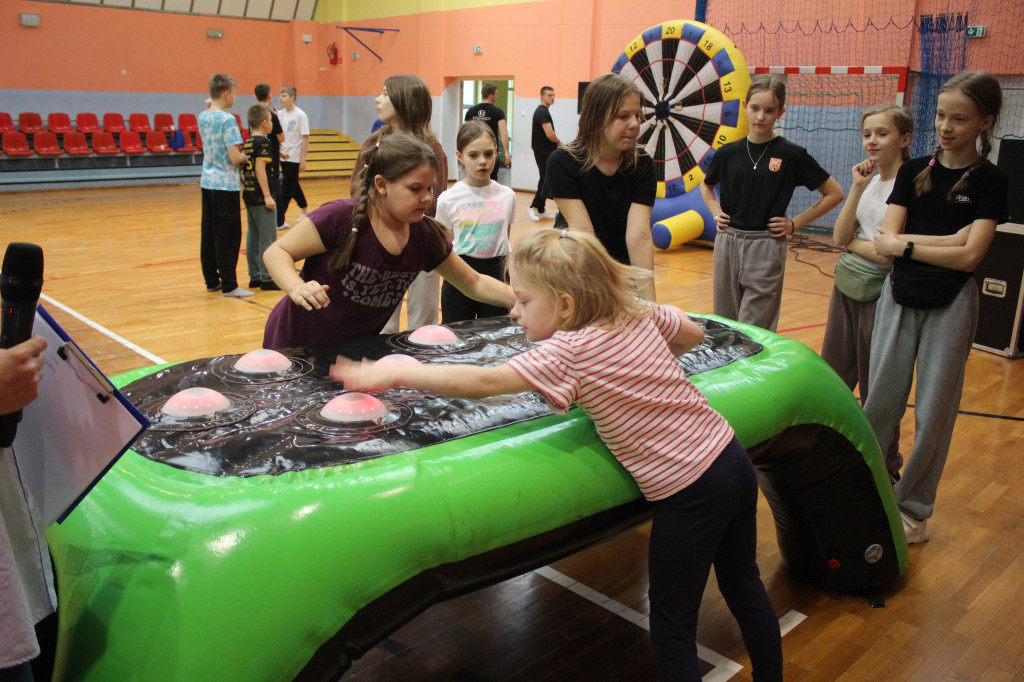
{"x":261,"y":233}
{"x":749,"y":267}
{"x":938,"y":340}
{"x":847,"y":350}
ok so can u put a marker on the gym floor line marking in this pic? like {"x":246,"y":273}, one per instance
{"x":103,"y":330}
{"x":987,"y":415}
{"x":723,"y":668}
{"x":806,"y":326}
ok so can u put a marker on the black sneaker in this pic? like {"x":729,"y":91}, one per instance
{"x":212,"y":288}
{"x":254,"y":284}
{"x":269,"y":286}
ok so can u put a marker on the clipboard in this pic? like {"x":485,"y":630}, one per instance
{"x":75,"y":430}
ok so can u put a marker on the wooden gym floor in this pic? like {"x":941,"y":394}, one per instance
{"x":123,"y":278}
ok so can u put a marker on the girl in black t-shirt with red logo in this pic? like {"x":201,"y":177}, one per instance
{"x":757,"y":177}
{"x":941,"y":219}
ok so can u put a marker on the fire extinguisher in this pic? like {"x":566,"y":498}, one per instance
{"x":332,"y":53}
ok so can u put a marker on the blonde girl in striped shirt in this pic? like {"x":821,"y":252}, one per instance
{"x":614,"y":356}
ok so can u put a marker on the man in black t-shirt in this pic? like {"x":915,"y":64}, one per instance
{"x":494,"y":117}
{"x":544,"y":141}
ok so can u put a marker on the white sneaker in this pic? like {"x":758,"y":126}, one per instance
{"x":238,"y":292}
{"x":917,"y":531}
{"x":534,"y":216}
{"x":283,"y":226}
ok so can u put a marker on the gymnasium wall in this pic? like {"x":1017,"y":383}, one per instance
{"x":549,"y":42}
{"x":92,"y":57}
{"x":99,"y":59}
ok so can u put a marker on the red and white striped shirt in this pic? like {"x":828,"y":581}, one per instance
{"x":655,"y":422}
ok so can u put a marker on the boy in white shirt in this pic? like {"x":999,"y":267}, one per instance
{"x":293,"y":154}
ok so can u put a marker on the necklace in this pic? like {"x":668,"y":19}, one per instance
{"x":751,"y":156}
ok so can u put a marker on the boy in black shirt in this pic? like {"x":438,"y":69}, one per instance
{"x":258,"y":191}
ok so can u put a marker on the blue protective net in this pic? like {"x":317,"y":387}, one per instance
{"x":823,"y":111}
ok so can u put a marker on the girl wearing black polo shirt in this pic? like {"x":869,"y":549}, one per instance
{"x":758,"y":175}
{"x":602,"y":182}
{"x":928,"y":313}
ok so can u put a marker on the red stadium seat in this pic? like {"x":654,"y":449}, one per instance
{"x":245,"y":134}
{"x":16,"y":144}
{"x":187,"y":122}
{"x":58,"y":123}
{"x":45,"y":144}
{"x":131,"y":143}
{"x":163,"y":122}
{"x":238,"y":119}
{"x":76,"y":144}
{"x":103,"y":143}
{"x":139,"y":123}
{"x":87,"y":123}
{"x":6,"y":124}
{"x":157,"y":142}
{"x":30,"y":123}
{"x":114,"y":123}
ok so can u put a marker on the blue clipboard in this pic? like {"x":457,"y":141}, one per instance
{"x":75,"y":430}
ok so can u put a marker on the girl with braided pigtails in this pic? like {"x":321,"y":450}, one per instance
{"x":362,"y":253}
{"x":941,"y":219}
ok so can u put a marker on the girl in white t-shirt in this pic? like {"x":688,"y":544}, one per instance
{"x":480,"y":213}
{"x":860,"y":272}
{"x":615,"y":357}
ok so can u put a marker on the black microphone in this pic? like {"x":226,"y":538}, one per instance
{"x":21,"y":281}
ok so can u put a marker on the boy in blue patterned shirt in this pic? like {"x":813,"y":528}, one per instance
{"x":221,"y":231}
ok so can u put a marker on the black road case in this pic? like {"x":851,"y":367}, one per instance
{"x":1000,"y":277}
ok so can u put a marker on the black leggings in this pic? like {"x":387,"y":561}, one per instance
{"x":711,"y":522}
{"x":456,"y":306}
{"x":290,"y":189}
{"x":541,"y":157}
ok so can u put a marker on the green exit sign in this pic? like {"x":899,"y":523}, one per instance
{"x":975,"y":31}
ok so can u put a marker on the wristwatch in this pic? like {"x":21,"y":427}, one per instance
{"x":909,"y":250}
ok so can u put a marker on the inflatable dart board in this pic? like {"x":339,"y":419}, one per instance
{"x":693,"y":80}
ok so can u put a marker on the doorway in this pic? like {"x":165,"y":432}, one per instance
{"x":505,"y":99}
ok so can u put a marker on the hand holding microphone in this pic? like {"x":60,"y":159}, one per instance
{"x":21,"y":282}
{"x":21,"y":368}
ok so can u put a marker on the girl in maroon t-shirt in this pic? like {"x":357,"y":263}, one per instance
{"x":362,"y":253}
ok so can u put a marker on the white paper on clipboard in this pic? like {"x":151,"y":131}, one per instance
{"x":75,"y":430}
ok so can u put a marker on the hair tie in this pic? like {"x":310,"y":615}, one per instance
{"x":965,"y":175}
{"x":564,"y":235}
{"x":377,"y":145}
{"x":932,"y":162}
{"x":355,"y":230}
